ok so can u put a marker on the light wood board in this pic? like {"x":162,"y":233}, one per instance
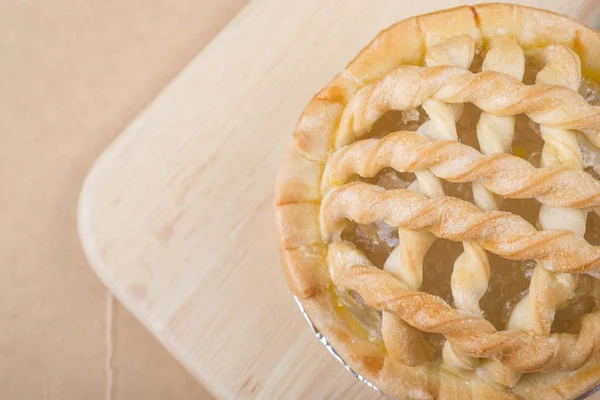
{"x":176,"y":216}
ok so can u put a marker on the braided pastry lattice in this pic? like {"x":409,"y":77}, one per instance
{"x":422,"y":212}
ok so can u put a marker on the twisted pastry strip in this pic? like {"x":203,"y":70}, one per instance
{"x":502,"y":233}
{"x":495,"y":134}
{"x":457,"y":51}
{"x":406,"y":260}
{"x":563,"y":67}
{"x":470,"y":278}
{"x":405,"y":263}
{"x":548,"y":291}
{"x":351,"y":270}
{"x":503,"y":174}
{"x":472,"y":264}
{"x":469,"y":282}
{"x":407,"y":87}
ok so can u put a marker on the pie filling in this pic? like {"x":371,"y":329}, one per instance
{"x":509,"y":280}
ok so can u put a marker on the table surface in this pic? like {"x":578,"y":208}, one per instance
{"x":73,"y":74}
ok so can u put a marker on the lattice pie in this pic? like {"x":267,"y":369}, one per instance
{"x":438,"y":209}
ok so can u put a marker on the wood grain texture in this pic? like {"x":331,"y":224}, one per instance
{"x":72,"y":76}
{"x":176,"y":216}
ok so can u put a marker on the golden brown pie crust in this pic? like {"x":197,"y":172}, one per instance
{"x":298,"y":197}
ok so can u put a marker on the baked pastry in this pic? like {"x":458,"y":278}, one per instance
{"x":437,"y":211}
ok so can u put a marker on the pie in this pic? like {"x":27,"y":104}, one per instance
{"x":438,"y":209}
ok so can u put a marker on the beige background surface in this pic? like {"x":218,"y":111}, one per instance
{"x":72,"y":76}
{"x":176,"y":216}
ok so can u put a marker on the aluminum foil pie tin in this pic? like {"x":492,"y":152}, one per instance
{"x":330,"y":348}
{"x":358,"y":376}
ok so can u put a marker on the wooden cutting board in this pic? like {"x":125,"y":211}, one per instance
{"x":176,"y":216}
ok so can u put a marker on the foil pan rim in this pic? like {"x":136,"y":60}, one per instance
{"x":361,"y":378}
{"x":331,"y":350}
